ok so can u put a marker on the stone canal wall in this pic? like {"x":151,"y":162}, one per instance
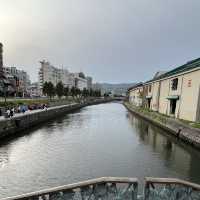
{"x":21,"y":122}
{"x":175,"y":127}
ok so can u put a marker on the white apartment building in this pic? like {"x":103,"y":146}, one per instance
{"x":80,"y":81}
{"x":49,"y":73}
{"x":89,"y":82}
{"x":33,"y":90}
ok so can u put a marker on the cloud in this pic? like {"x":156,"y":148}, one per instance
{"x":112,"y":40}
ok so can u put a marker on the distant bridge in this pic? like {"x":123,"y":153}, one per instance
{"x":119,"y":98}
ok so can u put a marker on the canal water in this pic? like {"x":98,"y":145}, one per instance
{"x":96,"y":141}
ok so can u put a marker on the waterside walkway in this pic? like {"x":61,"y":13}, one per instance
{"x":20,"y":122}
{"x":173,"y":126}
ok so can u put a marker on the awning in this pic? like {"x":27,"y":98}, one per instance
{"x":176,"y":97}
{"x":148,"y":97}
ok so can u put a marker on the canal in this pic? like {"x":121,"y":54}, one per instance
{"x":96,"y":141}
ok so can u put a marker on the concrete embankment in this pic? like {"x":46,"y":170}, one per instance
{"x":21,"y":122}
{"x":182,"y":131}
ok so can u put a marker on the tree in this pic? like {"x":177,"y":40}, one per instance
{"x":106,"y":94}
{"x":66,"y":92}
{"x":97,"y":93}
{"x":73,"y":91}
{"x":81,"y":75}
{"x":59,"y":89}
{"x":48,"y":89}
{"x":51,"y":90}
{"x":91,"y":92}
{"x":45,"y":88}
{"x":85,"y":92}
{"x":78,"y":92}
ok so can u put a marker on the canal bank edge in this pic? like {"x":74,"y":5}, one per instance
{"x":182,"y":131}
{"x":12,"y":126}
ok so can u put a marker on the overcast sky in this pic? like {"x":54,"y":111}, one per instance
{"x":111,"y":40}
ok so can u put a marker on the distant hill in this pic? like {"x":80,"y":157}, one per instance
{"x":118,"y":88}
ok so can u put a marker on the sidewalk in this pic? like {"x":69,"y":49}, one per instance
{"x":29,"y":112}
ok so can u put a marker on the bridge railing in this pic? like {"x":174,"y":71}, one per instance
{"x":170,"y":189}
{"x":96,"y":189}
{"x":113,"y":188}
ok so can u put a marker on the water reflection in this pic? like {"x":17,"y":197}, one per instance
{"x":101,"y":140}
{"x":177,"y":156}
{"x":4,"y":157}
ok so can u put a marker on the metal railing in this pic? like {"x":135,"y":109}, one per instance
{"x":170,"y":189}
{"x":113,"y":188}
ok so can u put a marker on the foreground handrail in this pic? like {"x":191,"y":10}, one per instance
{"x":151,"y":180}
{"x":119,"y":188}
{"x":75,"y":186}
{"x":170,"y":188}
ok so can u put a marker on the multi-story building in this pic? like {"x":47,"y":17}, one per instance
{"x":136,"y":94}
{"x":80,"y":80}
{"x":12,"y":80}
{"x":19,"y":80}
{"x":34,"y":90}
{"x":49,"y":73}
{"x":7,"y":82}
{"x":176,"y":93}
{"x":89,"y":82}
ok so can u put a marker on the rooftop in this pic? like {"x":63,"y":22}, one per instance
{"x":183,"y":68}
{"x":135,"y":86}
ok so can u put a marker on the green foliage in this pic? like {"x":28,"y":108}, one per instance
{"x":85,"y":93}
{"x":66,"y":92}
{"x":59,"y":89}
{"x":196,"y":125}
{"x":81,"y":75}
{"x":45,"y":88}
{"x":48,"y":89}
{"x":73,"y":91}
{"x":106,"y":94}
{"x":78,"y":92}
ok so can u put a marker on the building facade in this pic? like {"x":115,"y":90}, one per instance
{"x":49,"y":73}
{"x":80,"y":81}
{"x":34,"y":90}
{"x":176,"y":93}
{"x":89,"y":82}
{"x":19,"y":80}
{"x":136,"y":94}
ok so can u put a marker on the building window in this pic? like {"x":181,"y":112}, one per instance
{"x":149,"y":88}
{"x":174,"y":84}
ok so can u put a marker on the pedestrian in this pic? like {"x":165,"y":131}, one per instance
{"x":45,"y":106}
{"x":19,"y":109}
{"x":8,"y":113}
{"x":11,"y":112}
{"x":23,"y":109}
